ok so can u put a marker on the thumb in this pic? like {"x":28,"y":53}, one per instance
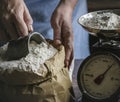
{"x":57,"y":37}
{"x":57,"y":33}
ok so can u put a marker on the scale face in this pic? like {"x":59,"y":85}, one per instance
{"x":99,"y":74}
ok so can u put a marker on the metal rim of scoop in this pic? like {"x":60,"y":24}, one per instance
{"x":36,"y":37}
{"x":104,"y":33}
{"x":20,"y":48}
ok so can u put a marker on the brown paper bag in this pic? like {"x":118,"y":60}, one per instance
{"x":54,"y":87}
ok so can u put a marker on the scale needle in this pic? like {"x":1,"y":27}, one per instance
{"x":100,"y":78}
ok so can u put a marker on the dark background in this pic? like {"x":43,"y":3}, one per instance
{"x":103,"y":4}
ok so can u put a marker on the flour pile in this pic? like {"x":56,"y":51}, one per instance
{"x":38,"y":54}
{"x":106,"y":21}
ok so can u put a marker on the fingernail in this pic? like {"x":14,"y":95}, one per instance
{"x":66,"y":63}
{"x":30,"y":28}
{"x":57,"y":42}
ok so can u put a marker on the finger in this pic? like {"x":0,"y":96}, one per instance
{"x":57,"y":33}
{"x":71,"y":58}
{"x":56,"y":25}
{"x":20,"y":24}
{"x":68,"y":54}
{"x":3,"y":36}
{"x":11,"y":30}
{"x":67,"y":40}
{"x":28,"y":19}
{"x":57,"y":37}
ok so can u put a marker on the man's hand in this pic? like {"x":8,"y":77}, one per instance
{"x":15,"y":20}
{"x":61,"y":22}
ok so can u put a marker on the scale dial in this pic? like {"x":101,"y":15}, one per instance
{"x":99,"y":76}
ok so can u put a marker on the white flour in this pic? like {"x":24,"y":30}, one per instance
{"x":105,"y":21}
{"x":38,"y":54}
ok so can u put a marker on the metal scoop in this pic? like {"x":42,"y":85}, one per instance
{"x":20,"y":48}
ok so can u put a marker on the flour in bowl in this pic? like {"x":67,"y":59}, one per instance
{"x":105,"y":21}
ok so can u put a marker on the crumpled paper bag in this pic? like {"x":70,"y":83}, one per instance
{"x":54,"y":87}
{"x":23,"y":77}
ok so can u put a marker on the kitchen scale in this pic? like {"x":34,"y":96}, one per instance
{"x":99,"y":74}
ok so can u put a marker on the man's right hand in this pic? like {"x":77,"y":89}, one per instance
{"x":15,"y":20}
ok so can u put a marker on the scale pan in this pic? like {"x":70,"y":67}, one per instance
{"x":104,"y":23}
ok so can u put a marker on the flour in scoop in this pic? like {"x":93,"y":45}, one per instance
{"x":38,"y":54}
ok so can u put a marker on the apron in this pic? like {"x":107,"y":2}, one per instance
{"x":41,"y":11}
